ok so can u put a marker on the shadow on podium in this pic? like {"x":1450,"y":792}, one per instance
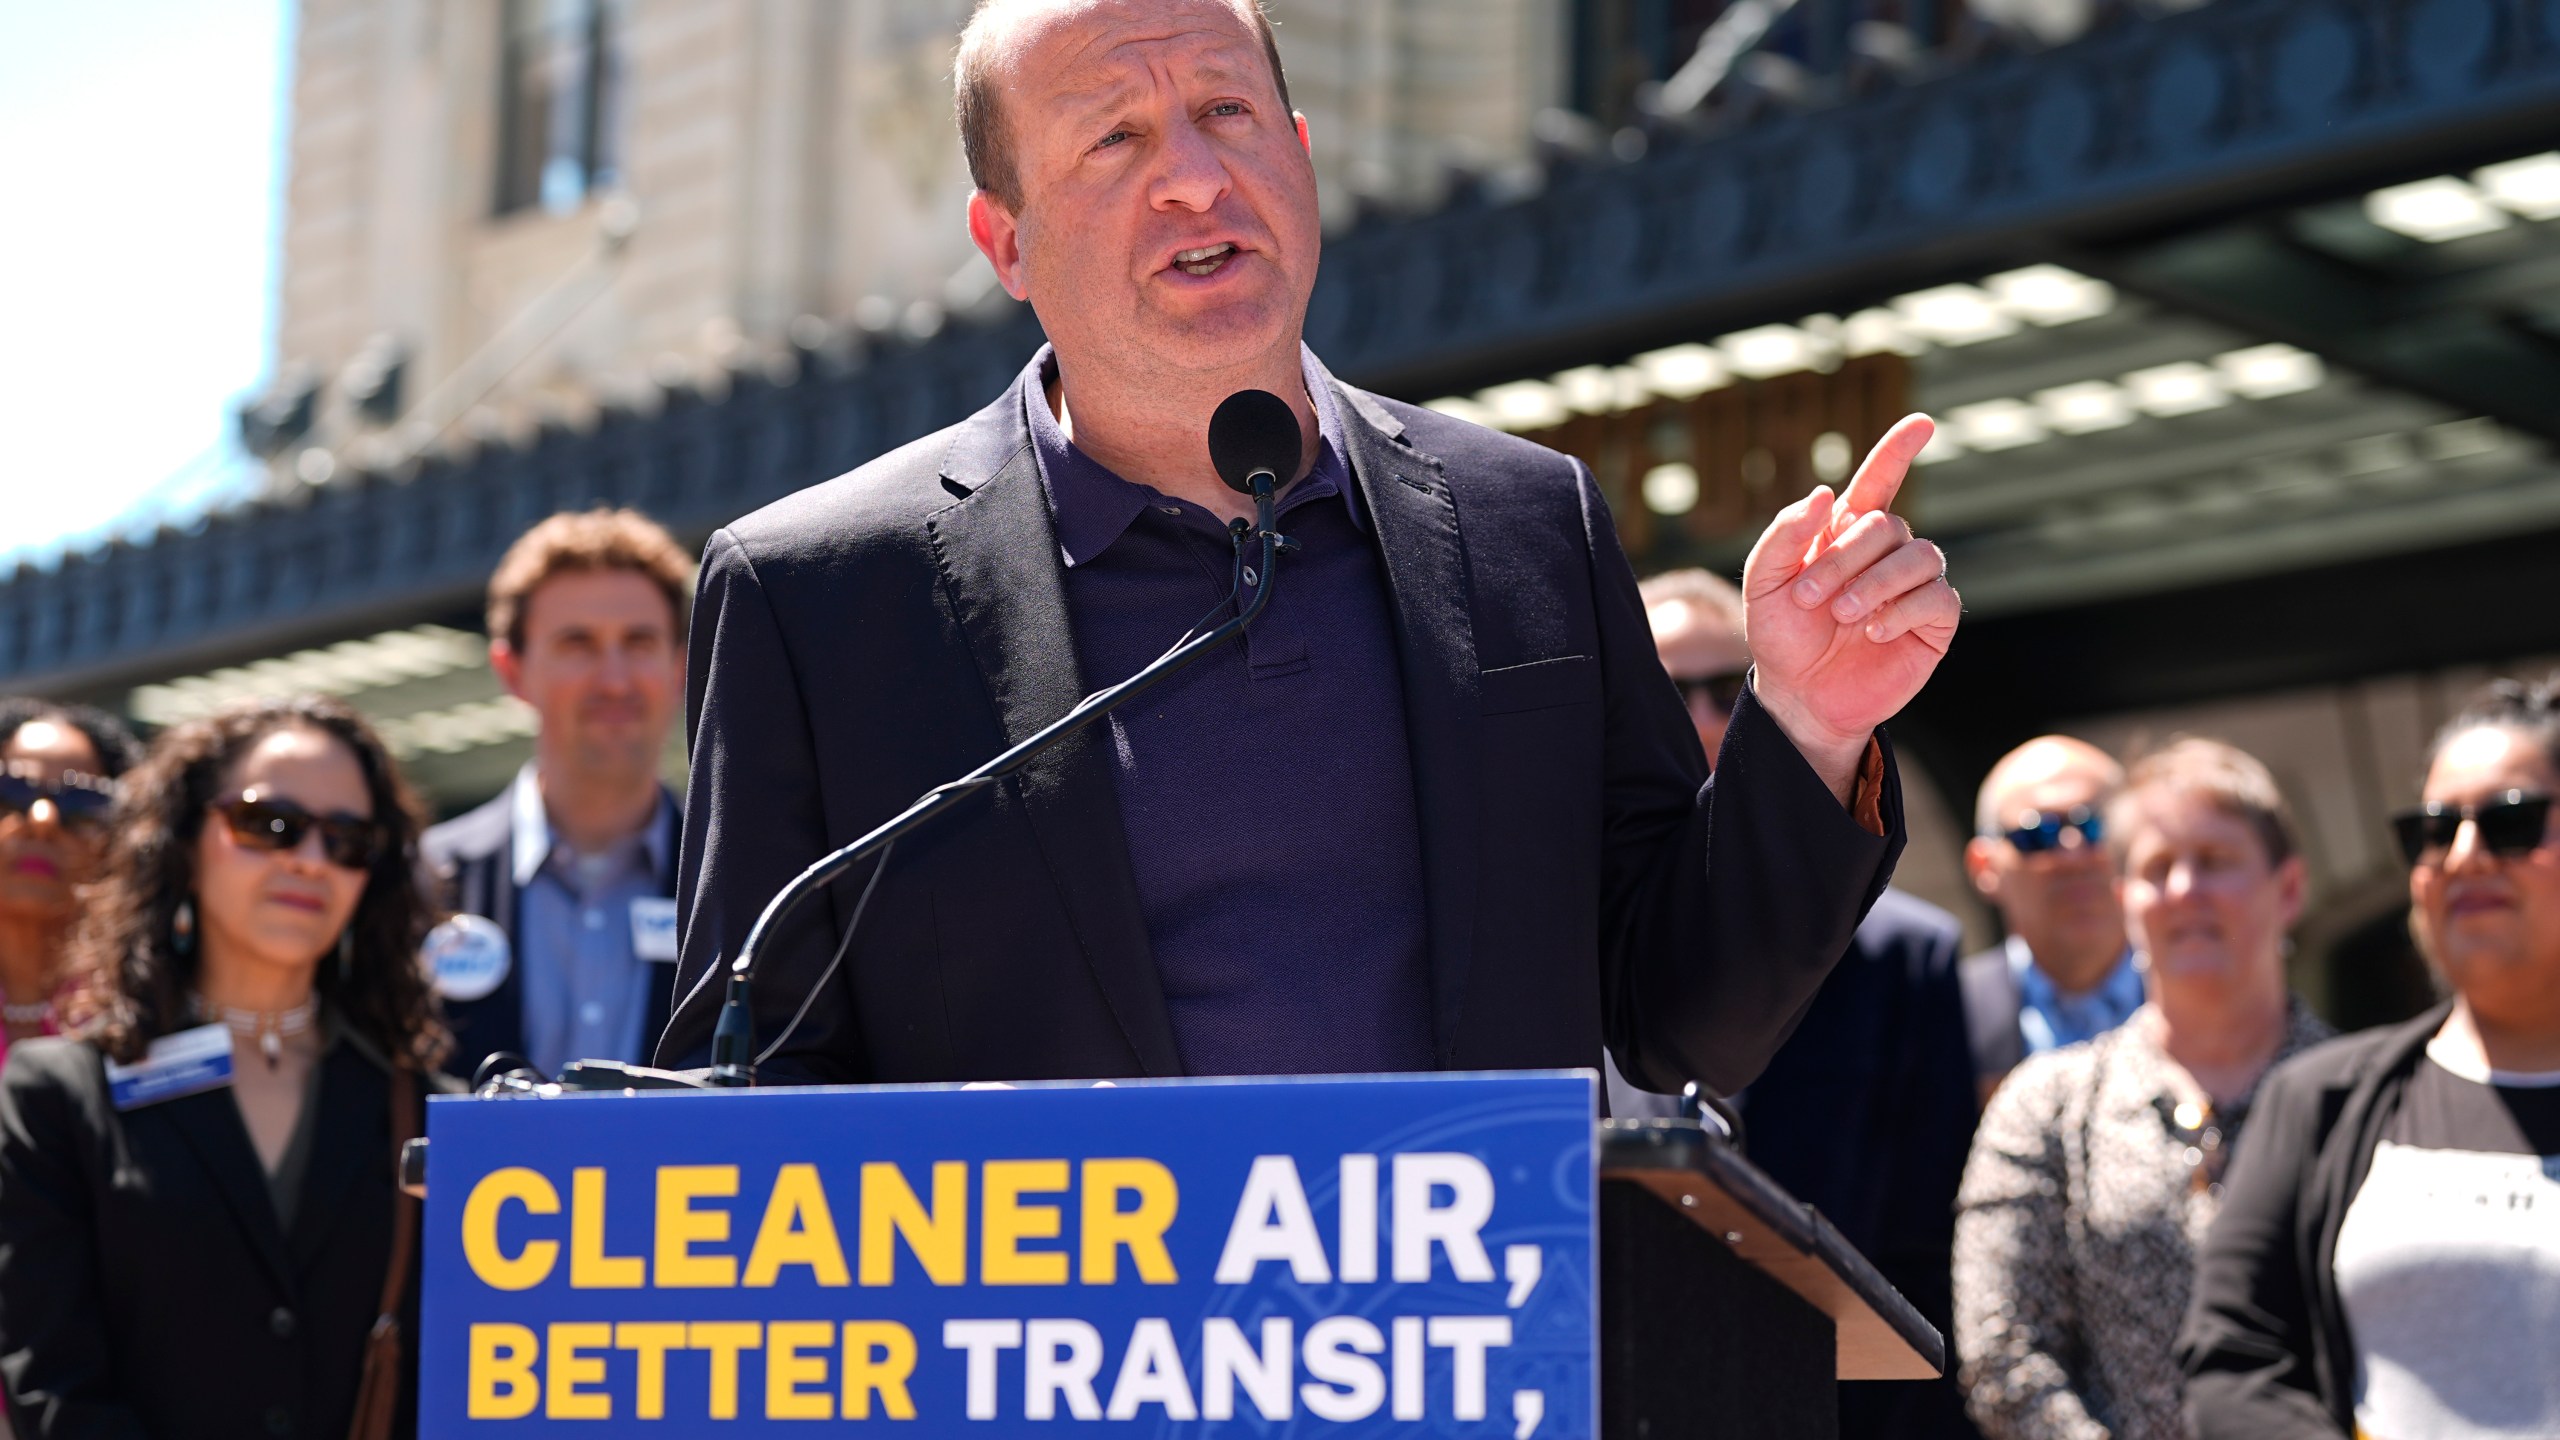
{"x":1728,"y":1308}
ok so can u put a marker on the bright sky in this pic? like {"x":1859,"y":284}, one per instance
{"x":141,"y":164}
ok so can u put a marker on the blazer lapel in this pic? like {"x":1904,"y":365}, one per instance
{"x":1408,"y":498}
{"x":347,"y":1139}
{"x":211,"y":1125}
{"x":1001,"y":566}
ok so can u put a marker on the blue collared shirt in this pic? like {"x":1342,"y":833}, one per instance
{"x":1266,"y":791}
{"x":586,"y":990}
{"x":2049,"y":1019}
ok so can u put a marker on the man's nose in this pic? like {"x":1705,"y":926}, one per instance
{"x":1189,"y":172}
{"x":2466,"y":854}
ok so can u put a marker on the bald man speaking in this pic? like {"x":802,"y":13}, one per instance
{"x":1439,"y":809}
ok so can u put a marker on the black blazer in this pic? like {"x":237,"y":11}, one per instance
{"x":866,"y":639}
{"x":146,"y":1288}
{"x":1867,"y":1112}
{"x":472,"y":863}
{"x":2266,"y":1347}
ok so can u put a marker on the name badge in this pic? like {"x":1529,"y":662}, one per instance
{"x":653,"y":928}
{"x":175,"y":1065}
{"x":468,"y":957}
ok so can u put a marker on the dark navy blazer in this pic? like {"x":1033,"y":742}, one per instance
{"x":472,"y":860}
{"x":1868,"y":1113}
{"x":866,"y":639}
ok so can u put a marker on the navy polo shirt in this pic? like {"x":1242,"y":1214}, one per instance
{"x":1267,"y":791}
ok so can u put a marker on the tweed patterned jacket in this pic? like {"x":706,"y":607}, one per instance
{"x":2077,"y":1228}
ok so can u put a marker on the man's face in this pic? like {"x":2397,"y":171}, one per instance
{"x":600,"y":666}
{"x":1167,"y":217}
{"x":2061,"y":900}
{"x":1697,"y":647}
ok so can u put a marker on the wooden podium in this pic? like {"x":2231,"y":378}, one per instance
{"x":1728,"y":1308}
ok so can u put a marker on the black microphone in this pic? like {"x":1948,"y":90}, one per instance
{"x":1253,"y":441}
{"x":1255,"y":446}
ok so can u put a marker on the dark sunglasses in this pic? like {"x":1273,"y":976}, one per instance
{"x":1724,"y":691}
{"x":2043,"y":830}
{"x":279,"y":825}
{"x":2511,"y":825}
{"x":82,"y":801}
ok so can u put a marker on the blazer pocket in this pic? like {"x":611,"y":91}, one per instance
{"x":1539,"y":685}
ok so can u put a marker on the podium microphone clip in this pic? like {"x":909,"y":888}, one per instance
{"x":733,"y":1040}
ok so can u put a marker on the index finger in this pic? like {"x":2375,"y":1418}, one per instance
{"x":1880,"y":479}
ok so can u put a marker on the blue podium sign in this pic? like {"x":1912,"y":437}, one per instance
{"x":1335,"y":1257}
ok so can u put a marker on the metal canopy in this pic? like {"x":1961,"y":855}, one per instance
{"x":2196,"y":162}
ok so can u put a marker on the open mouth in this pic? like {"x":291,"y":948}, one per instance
{"x":1204,"y":261}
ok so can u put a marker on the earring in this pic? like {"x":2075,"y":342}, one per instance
{"x":182,"y":928}
{"x":346,"y":954}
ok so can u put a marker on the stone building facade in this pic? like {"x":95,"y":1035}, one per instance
{"x":514,"y":208}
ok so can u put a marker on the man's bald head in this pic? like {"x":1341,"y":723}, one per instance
{"x":977,"y":82}
{"x":2043,"y":764}
{"x":2061,"y":899}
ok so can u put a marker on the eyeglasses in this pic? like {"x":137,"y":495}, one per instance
{"x":83,"y":801}
{"x":2043,"y":830}
{"x":1723,"y":691}
{"x":279,"y":825}
{"x":2513,"y":824}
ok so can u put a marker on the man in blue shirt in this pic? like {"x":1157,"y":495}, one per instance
{"x":565,"y":945}
{"x":2039,"y":856}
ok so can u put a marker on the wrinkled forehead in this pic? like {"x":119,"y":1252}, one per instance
{"x":1069,"y":53}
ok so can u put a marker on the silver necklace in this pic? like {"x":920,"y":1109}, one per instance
{"x":268,"y":1027}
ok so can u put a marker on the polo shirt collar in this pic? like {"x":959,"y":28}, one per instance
{"x":1092,"y":507}
{"x":533,"y":837}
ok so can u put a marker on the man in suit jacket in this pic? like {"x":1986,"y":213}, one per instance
{"x":567,"y":878}
{"x":1438,"y":809}
{"x":2038,"y":855}
{"x":1867,"y":1112}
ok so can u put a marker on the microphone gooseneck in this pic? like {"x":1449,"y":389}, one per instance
{"x":1255,"y":446}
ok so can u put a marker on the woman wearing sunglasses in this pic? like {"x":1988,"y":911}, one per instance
{"x":58,"y":765}
{"x":2388,"y":1263}
{"x":199,"y":1222}
{"x":2099,"y":1165}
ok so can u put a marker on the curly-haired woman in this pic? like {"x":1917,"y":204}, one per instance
{"x":58,"y":765}
{"x":211,"y":1262}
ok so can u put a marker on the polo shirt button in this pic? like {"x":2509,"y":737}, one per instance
{"x":595,"y":919}
{"x":280,"y":1323}
{"x":279,"y":1420}
{"x":1170,"y":509}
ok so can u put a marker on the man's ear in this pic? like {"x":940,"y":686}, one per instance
{"x":1982,"y":869}
{"x":1304,"y":143}
{"x":2293,"y":880}
{"x":509,"y":667}
{"x":998,"y":236}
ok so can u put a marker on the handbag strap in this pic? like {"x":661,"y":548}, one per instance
{"x":404,"y":1207}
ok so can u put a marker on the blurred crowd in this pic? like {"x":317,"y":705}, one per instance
{"x":2140,"y":1185}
